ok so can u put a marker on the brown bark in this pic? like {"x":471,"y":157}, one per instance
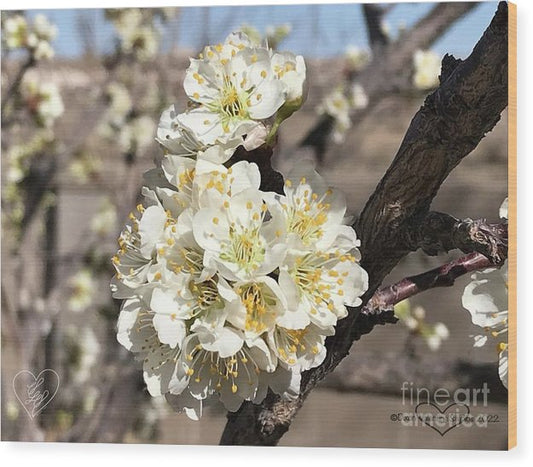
{"x":453,"y":120}
{"x":440,"y":232}
{"x":385,"y":298}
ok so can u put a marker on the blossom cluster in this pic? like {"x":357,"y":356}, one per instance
{"x":36,"y":36}
{"x":486,"y":298}
{"x":338,"y":105}
{"x":229,"y":290}
{"x":414,"y":319}
{"x":138,"y":34}
{"x":43,"y":101}
{"x":356,"y":58}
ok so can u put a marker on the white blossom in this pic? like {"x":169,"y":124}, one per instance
{"x":359,"y":99}
{"x":256,"y":306}
{"x":15,"y":32}
{"x":300,"y":349}
{"x":105,"y":220}
{"x":337,"y":106}
{"x":291,"y":71}
{"x":120,"y":103}
{"x":427,"y":69}
{"x":43,"y":100}
{"x":87,"y":352}
{"x":43,"y":28}
{"x":137,"y":33}
{"x":229,"y":290}
{"x":320,"y":274}
{"x":36,"y":37}
{"x":314,"y":213}
{"x":441,"y":330}
{"x":43,"y":51}
{"x":179,"y":140}
{"x":236,"y":238}
{"x":414,"y":318}
{"x":222,"y":362}
{"x":137,"y":134}
{"x":83,"y":289}
{"x":356,"y":58}
{"x":486,"y":298}
{"x":235,"y":87}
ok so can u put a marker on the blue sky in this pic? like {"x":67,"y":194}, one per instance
{"x":318,"y":30}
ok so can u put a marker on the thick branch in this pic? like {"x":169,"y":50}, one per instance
{"x":448,"y":127}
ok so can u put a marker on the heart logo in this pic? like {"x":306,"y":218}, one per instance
{"x":439,"y":420}
{"x":31,"y":392}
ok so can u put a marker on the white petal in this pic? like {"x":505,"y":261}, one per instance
{"x":170,"y":330}
{"x":266,"y":100}
{"x":504,"y":209}
{"x":503,"y":367}
{"x":206,"y":125}
{"x":186,"y":403}
{"x":210,"y":227}
{"x":226,"y":341}
{"x":294,"y":319}
{"x":289,"y":289}
{"x":151,"y":228}
{"x":480,"y":340}
{"x":126,"y":322}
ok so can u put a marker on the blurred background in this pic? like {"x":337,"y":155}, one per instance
{"x":82,"y":92}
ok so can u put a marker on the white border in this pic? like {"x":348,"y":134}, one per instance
{"x":55,"y":454}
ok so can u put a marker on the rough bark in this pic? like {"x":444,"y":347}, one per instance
{"x":453,"y":120}
{"x":447,"y":128}
{"x":440,"y":232}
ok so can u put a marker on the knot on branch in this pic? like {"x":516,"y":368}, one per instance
{"x":439,"y":232}
{"x":449,"y":64}
{"x":372,"y":315}
{"x":487,"y":239}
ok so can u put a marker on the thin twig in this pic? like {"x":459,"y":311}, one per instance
{"x":443,"y":276}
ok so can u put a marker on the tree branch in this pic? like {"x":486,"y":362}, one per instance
{"x":447,"y":128}
{"x":373,"y":18}
{"x":13,"y":89}
{"x":440,"y":232}
{"x":443,"y":276}
{"x":386,"y":72}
